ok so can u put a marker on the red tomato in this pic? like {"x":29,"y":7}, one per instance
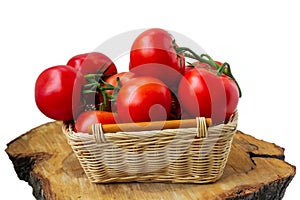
{"x":86,"y":119}
{"x":153,"y":54}
{"x":123,"y":77}
{"x":102,"y":97}
{"x":54,"y":92}
{"x":203,"y":93}
{"x":93,"y":63}
{"x":144,"y":99}
{"x":199,"y":65}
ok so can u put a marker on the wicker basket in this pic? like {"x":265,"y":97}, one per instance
{"x":182,"y":155}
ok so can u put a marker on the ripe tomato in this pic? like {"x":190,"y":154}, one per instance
{"x":86,"y":119}
{"x":144,"y":99}
{"x":103,"y":96}
{"x":93,"y":63}
{"x":123,"y":77}
{"x":200,"y":65}
{"x":202,"y":93}
{"x":54,"y":92}
{"x":153,"y":54}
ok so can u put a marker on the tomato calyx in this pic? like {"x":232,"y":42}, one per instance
{"x":97,"y":84}
{"x":223,"y":68}
{"x":94,"y":87}
{"x":180,"y":55}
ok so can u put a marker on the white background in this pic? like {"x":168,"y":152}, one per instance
{"x":260,"y":39}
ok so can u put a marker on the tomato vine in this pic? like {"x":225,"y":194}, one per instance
{"x":224,"y":68}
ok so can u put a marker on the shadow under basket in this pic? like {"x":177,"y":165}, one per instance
{"x":182,"y":155}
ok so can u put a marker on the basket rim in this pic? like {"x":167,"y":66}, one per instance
{"x":201,"y":130}
{"x":70,"y":124}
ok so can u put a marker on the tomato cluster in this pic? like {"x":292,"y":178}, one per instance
{"x":159,"y":85}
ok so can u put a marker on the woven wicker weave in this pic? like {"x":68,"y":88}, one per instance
{"x":186,"y":155}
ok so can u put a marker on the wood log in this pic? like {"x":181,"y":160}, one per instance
{"x":255,"y":170}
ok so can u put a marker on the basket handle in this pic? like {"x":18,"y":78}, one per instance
{"x":201,"y":127}
{"x":98,"y":130}
{"x":98,"y":133}
{"x":156,"y":125}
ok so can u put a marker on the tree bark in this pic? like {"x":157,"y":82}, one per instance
{"x":255,"y":170}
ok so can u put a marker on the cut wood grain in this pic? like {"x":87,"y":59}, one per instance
{"x":255,"y":170}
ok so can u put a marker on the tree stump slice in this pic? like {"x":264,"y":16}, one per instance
{"x":255,"y":170}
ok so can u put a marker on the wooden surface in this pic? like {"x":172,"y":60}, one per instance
{"x":42,"y":157}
